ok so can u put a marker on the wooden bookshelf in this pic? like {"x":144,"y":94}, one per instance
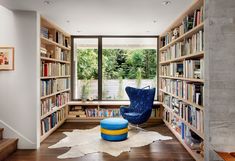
{"x":199,"y":133}
{"x":108,"y":105}
{"x":182,"y":78}
{"x":190,"y":56}
{"x":184,"y":100}
{"x":193,"y":153}
{"x":55,"y":77}
{"x":184,"y":36}
{"x":55,"y":50}
{"x":183,"y":54}
{"x":55,"y":60}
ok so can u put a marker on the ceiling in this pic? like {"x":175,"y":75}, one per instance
{"x":105,"y":17}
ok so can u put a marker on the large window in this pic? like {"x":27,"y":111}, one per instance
{"x":104,"y":66}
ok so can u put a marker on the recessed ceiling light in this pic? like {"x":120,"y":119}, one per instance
{"x":166,"y":3}
{"x":154,"y":21}
{"x":68,"y":21}
{"x":147,"y":31}
{"x":78,"y":31}
{"x":47,"y":2}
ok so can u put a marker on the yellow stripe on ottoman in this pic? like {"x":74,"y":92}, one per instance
{"x":114,"y":132}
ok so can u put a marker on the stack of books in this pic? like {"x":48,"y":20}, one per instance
{"x":77,"y":111}
{"x":44,"y":32}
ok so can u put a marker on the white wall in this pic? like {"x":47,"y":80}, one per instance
{"x":19,"y":89}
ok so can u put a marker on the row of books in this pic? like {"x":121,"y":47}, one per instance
{"x":188,"y":46}
{"x":52,"y":120}
{"x":186,"y":69}
{"x":61,"y":39}
{"x":192,"y":140}
{"x":188,"y":113}
{"x":102,"y":112}
{"x":192,"y":92}
{"x":58,"y":54}
{"x":49,"y":104}
{"x":54,"y":69}
{"x":188,"y":23}
{"x":44,"y":32}
{"x":54,"y":85}
{"x":61,"y":54}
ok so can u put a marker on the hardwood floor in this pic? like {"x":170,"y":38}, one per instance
{"x":170,"y":150}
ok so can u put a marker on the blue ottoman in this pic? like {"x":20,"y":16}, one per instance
{"x":114,"y":129}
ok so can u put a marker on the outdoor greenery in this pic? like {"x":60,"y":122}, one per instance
{"x":117,"y":64}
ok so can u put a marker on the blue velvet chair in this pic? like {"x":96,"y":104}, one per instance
{"x":141,"y":103}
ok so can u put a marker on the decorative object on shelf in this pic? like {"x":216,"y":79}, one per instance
{"x":114,"y":129}
{"x":175,"y":33}
{"x":141,"y":105}
{"x":89,"y":141}
{"x":85,"y":90}
{"x":6,"y":58}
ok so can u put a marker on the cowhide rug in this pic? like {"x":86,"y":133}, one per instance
{"x":84,"y":142}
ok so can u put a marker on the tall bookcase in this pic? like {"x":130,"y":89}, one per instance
{"x":181,"y":78}
{"x":55,"y":61}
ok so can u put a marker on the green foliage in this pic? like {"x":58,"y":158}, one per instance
{"x":87,"y":67}
{"x":117,"y":63}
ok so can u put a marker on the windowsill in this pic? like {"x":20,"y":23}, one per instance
{"x":105,"y":103}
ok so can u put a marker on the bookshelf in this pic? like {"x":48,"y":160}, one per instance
{"x":94,"y":111}
{"x":55,"y":54}
{"x":181,"y":78}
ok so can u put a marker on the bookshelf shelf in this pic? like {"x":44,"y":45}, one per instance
{"x":53,"y":94}
{"x":55,"y":77}
{"x":185,"y":122}
{"x":52,"y":111}
{"x":51,"y":42}
{"x":193,"y":153}
{"x":55,"y":60}
{"x":190,"y":56}
{"x":55,"y":55}
{"x":182,"y":78}
{"x":112,"y":103}
{"x":184,"y":36}
{"x":184,"y":100}
{"x":181,"y":61}
{"x":43,"y":137}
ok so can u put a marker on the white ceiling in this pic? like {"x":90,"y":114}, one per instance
{"x":106,"y":17}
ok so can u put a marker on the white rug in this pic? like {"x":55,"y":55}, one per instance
{"x":84,"y":142}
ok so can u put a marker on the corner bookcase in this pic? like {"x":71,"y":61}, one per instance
{"x":181,"y":78}
{"x":55,"y":54}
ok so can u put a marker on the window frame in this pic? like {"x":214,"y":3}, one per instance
{"x":100,"y":47}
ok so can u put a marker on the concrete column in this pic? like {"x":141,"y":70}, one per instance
{"x":219,"y":95}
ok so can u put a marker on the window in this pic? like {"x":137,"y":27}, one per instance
{"x":117,"y":62}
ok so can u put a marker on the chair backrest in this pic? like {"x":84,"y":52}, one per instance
{"x":141,"y":99}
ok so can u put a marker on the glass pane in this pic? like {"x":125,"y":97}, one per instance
{"x":127,"y":62}
{"x":86,"y":68}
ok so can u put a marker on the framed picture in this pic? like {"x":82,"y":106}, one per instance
{"x":6,"y":58}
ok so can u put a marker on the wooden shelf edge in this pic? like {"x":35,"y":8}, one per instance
{"x":118,"y":103}
{"x":43,"y":137}
{"x":53,"y":94}
{"x":184,"y":100}
{"x":182,"y":78}
{"x":194,"y":55}
{"x":185,"y":35}
{"x":55,"y":26}
{"x":55,"y":60}
{"x":52,"y":111}
{"x":196,"y":156}
{"x":48,"y":41}
{"x":186,"y":123}
{"x":53,"y":77}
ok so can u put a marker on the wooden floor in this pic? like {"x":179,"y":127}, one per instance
{"x":170,"y":150}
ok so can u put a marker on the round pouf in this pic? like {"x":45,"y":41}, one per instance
{"x":114,"y":129}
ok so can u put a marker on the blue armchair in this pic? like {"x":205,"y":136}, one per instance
{"x":141,"y":103}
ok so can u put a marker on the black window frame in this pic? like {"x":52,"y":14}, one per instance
{"x":100,"y":47}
